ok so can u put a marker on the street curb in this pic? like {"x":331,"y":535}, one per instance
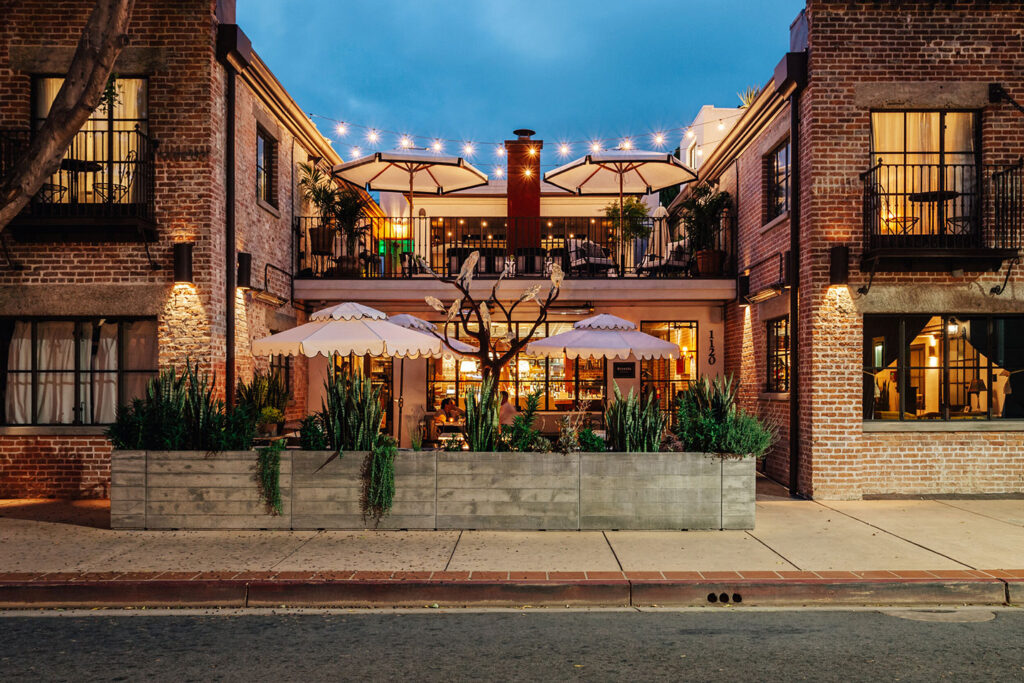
{"x":505,"y":593}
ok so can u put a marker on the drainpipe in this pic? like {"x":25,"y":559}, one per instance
{"x":234,"y":51}
{"x":790,"y":79}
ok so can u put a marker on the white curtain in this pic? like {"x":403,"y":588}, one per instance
{"x":18,"y":408}
{"x":56,"y":365}
{"x":104,"y":376}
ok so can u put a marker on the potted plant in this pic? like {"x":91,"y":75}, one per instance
{"x":633,"y":224}
{"x":340,"y":209}
{"x":702,"y":217}
{"x":269,"y":421}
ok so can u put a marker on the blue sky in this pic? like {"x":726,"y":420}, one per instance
{"x":476,"y":69}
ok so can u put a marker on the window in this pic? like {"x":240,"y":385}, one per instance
{"x":379,"y":370}
{"x":73,"y":371}
{"x":282,"y":367}
{"x":564,"y":383}
{"x":266,"y":167}
{"x":103,"y":163}
{"x":925,"y":171}
{"x":777,"y":182}
{"x":668,"y":377}
{"x":943,"y":367}
{"x":777,"y":342}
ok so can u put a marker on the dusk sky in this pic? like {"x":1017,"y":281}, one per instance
{"x":473,"y":70}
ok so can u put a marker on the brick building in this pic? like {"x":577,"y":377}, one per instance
{"x":876,"y":182}
{"x":200,"y":148}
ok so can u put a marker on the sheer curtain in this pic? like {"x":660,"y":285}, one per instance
{"x":18,"y":408}
{"x":56,"y":364}
{"x":104,"y":376}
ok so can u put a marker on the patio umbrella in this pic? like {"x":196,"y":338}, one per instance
{"x":411,"y":170}
{"x":603,"y":336}
{"x":420,"y":325}
{"x":622,"y":171}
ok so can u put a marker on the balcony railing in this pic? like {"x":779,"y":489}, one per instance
{"x":105,"y":175}
{"x":584,"y":247}
{"x":942,"y":207}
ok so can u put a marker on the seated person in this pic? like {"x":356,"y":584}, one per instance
{"x":448,"y":413}
{"x":506,"y":411}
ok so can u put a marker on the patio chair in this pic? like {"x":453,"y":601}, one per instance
{"x":589,"y":257}
{"x":529,"y":260}
{"x":118,"y":193}
{"x":410,"y":266}
{"x":675,"y":262}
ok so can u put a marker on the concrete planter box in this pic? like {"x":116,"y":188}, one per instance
{"x":437,"y":490}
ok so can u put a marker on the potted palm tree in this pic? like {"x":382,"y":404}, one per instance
{"x":340,"y":210}
{"x":702,"y":213}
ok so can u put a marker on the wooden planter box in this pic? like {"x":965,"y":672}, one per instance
{"x":437,"y":490}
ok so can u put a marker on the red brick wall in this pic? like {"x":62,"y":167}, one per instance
{"x":187,"y":113}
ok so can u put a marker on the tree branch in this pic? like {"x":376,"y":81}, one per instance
{"x":103,"y":38}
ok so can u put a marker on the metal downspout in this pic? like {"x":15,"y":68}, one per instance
{"x":229,"y":240}
{"x":794,"y":297}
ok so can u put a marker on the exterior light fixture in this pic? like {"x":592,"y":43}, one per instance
{"x":626,"y":144}
{"x":659,"y":139}
{"x":468,"y":149}
{"x":839,"y":265}
{"x":595,"y":147}
{"x":356,"y":151}
{"x":700,"y":152}
{"x":183,"y":262}
{"x":563,"y":149}
{"x":372,"y":136}
{"x":499,"y":150}
{"x":527,"y":172}
{"x":406,"y":142}
{"x":743,"y":289}
{"x":689,"y":134}
{"x":341,"y":129}
{"x":721,"y":126}
{"x":436,"y":146}
{"x":531,"y":151}
{"x":244,"y":279}
{"x":498,"y":171}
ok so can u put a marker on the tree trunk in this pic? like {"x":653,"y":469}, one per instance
{"x":102,"y":39}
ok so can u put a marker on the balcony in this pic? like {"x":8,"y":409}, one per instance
{"x":584,"y":247}
{"x":937,"y":217}
{"x":102,"y":191}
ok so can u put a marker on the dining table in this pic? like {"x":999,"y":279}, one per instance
{"x":76,"y":167}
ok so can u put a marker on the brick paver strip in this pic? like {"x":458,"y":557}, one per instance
{"x":605,"y":575}
{"x":258,"y":576}
{"x":721,"y":575}
{"x":567,"y":576}
{"x":449,"y":576}
{"x":527,"y":576}
{"x":760,"y":575}
{"x":644,"y":576}
{"x":371,"y":575}
{"x":177,"y":576}
{"x":488,"y":576}
{"x":683,"y":576}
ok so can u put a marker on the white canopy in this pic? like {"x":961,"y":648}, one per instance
{"x":603,"y":336}
{"x":417,"y":170}
{"x":621,"y":171}
{"x":349,"y":328}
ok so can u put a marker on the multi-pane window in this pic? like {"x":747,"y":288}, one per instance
{"x":667,"y":377}
{"x":73,"y":371}
{"x":943,"y":367}
{"x":777,"y":181}
{"x":104,"y":160}
{"x":565,"y":384}
{"x":380,"y":370}
{"x":266,"y":157}
{"x":281,"y":366}
{"x":925,"y":168}
{"x":777,"y":341}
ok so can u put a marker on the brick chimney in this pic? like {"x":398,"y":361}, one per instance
{"x":523,"y":195}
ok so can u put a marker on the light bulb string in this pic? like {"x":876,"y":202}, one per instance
{"x":471,"y":147}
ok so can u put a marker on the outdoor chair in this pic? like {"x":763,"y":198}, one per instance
{"x":675,"y":262}
{"x":118,"y":193}
{"x":589,"y":257}
{"x":529,"y":260}
{"x":410,"y":266}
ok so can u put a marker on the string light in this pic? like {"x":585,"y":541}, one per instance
{"x":527,"y":172}
{"x":356,"y":151}
{"x":532,"y":151}
{"x":689,"y":134}
{"x":406,"y":142}
{"x":721,"y":126}
{"x":595,"y":146}
{"x":626,"y":144}
{"x":341,"y":128}
{"x":499,"y":150}
{"x":436,"y":146}
{"x":498,"y":171}
{"x":468,"y":149}
{"x":659,"y":139}
{"x":372,"y":136}
{"x":563,"y":149}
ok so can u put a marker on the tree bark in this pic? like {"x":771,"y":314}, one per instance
{"x":103,"y":38}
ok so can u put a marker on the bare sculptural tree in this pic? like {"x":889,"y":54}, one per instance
{"x":103,"y":38}
{"x":466,"y":310}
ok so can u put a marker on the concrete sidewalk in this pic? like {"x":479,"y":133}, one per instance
{"x":954,"y":551}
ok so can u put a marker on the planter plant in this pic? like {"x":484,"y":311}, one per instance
{"x":635,"y":424}
{"x":340,"y":209}
{"x":710,"y":421}
{"x":702,"y":212}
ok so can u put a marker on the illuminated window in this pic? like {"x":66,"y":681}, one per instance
{"x":777,"y":343}
{"x":380,"y":372}
{"x":667,"y":378}
{"x":943,"y":367}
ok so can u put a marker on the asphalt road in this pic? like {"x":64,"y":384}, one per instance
{"x":528,"y":645}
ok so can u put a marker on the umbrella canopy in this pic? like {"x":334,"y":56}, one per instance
{"x":621,"y":171}
{"x":411,"y":322}
{"x":603,"y":336}
{"x":411,"y":170}
{"x":349,"y":328}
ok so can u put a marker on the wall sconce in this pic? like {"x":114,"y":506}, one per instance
{"x":183,"y":262}
{"x":743,"y":289}
{"x":244,"y":279}
{"x":839,"y":265}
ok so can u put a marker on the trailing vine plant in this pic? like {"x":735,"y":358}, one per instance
{"x":268,"y":475}
{"x":380,"y":476}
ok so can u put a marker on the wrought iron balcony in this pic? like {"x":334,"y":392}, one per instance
{"x":584,"y":247}
{"x":103,"y":189}
{"x":941,"y":216}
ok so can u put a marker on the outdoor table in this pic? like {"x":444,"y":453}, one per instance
{"x":76,"y":166}
{"x":932,"y":196}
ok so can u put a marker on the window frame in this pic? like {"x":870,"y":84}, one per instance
{"x":646,"y":365}
{"x":903,"y":370}
{"x":78,"y":372}
{"x":268,"y":170}
{"x":774,"y":357}
{"x":282,"y":364}
{"x":772,"y":209}
{"x":941,"y":152}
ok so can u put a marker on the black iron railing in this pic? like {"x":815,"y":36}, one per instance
{"x":584,"y":247}
{"x":942,"y":206}
{"x":104,"y":174}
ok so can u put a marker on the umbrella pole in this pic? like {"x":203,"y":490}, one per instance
{"x":622,"y":232}
{"x":401,"y":400}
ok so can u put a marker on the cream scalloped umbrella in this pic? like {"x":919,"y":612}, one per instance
{"x":603,"y":336}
